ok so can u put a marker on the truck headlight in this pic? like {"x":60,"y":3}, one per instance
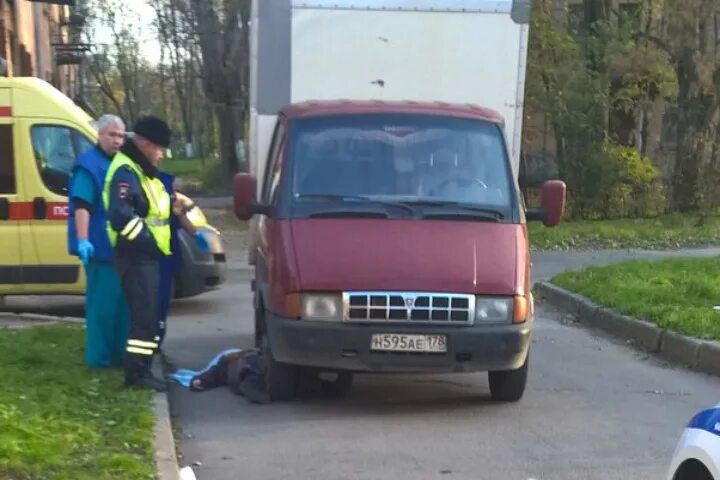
{"x":322,"y":307}
{"x":493,"y":310}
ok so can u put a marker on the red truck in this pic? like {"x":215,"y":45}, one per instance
{"x":392,"y":237}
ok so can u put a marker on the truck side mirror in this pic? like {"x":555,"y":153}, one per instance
{"x":244,"y":192}
{"x":520,"y":12}
{"x":553,"y":201}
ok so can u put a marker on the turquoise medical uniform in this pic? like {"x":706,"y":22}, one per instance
{"x":106,"y":309}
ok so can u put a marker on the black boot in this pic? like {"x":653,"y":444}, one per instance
{"x":147,"y":381}
{"x":138,"y":374}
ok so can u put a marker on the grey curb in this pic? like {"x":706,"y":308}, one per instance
{"x":166,"y":462}
{"x":693,"y":353}
{"x":36,"y":317}
{"x":680,"y":349}
{"x":709,"y":358}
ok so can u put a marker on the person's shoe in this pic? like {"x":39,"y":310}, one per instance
{"x":147,"y":382}
{"x":252,"y":392}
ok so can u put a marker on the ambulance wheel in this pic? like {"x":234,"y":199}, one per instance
{"x":280,"y":378}
{"x":509,"y":385}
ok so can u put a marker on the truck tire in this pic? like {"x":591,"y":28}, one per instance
{"x":343,"y":384}
{"x":509,"y":385}
{"x":280,"y":378}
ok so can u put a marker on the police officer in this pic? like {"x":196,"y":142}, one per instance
{"x":106,"y":309}
{"x":139,"y":210}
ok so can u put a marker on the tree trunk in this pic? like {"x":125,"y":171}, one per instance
{"x":640,"y":131}
{"x":695,"y":112}
{"x":210,"y":129}
{"x":163,"y":83}
{"x":231,"y":119}
{"x":223,"y":43}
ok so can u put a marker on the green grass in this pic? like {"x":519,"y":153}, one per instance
{"x":191,"y":168}
{"x":677,"y":294}
{"x":205,"y":175}
{"x":673,"y":231}
{"x":60,"y":421}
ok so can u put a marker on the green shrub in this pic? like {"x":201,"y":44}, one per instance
{"x":635,"y":188}
{"x":615,"y":182}
{"x":214,"y":178}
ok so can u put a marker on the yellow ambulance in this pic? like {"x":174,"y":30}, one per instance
{"x":41,"y":133}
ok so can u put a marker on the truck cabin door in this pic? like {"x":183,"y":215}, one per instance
{"x":52,"y":149}
{"x":11,"y":261}
{"x":268,"y":195}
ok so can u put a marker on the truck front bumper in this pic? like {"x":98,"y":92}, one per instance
{"x":342,"y":346}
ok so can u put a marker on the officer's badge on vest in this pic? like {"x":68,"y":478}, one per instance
{"x":123,"y":189}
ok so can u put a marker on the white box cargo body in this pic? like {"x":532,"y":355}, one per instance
{"x":455,"y":51}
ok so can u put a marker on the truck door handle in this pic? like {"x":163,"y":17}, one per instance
{"x":39,"y":208}
{"x":4,"y":209}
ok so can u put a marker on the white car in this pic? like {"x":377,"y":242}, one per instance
{"x":697,"y":456}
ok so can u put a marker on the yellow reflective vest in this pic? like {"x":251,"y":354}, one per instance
{"x":157,"y":219}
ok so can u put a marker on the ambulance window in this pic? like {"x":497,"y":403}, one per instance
{"x":82,"y":143}
{"x":55,"y":154}
{"x":7,"y":160}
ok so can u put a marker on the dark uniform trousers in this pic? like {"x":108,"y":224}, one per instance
{"x":140,"y":279}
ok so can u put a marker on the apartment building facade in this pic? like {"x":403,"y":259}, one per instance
{"x":41,"y":38}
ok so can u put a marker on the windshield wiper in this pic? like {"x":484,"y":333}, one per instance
{"x":348,"y":214}
{"x":489,"y":213}
{"x":361,"y":198}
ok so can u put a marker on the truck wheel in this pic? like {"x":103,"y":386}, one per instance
{"x":280,"y":378}
{"x":343,"y":384}
{"x":509,"y":385}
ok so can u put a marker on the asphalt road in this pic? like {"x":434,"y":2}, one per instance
{"x":594,"y":408}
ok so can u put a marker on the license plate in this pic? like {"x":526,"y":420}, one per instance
{"x":400,"y":342}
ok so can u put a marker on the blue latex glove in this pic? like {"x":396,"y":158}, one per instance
{"x":85,"y":250}
{"x":202,"y":242}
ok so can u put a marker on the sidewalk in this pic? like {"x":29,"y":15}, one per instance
{"x":213,"y":202}
{"x":696,"y":354}
{"x":16,"y":321}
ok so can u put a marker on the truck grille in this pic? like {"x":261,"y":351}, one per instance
{"x":426,"y":308}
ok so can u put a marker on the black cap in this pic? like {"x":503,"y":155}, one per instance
{"x":153,"y":129}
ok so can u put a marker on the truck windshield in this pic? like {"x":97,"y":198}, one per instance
{"x":426,"y":161}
